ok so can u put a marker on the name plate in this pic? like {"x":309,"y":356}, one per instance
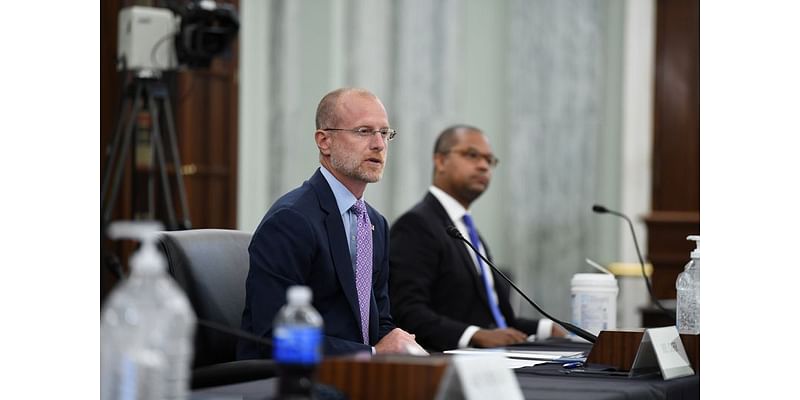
{"x":662,"y":349}
{"x":479,"y":377}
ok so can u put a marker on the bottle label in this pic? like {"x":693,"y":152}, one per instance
{"x":297,"y":344}
{"x":594,"y":312}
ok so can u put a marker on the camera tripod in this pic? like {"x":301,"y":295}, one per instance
{"x":145,"y":94}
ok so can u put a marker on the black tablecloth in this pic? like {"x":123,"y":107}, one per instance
{"x":551,"y":381}
{"x":543,"y":381}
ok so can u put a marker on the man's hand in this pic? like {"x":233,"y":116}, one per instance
{"x":497,"y":337}
{"x":557,"y":331}
{"x":398,"y":341}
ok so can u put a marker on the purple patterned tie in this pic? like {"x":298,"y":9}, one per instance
{"x":363,"y":265}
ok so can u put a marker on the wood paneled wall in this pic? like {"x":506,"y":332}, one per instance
{"x":676,"y":142}
{"x":205,"y":106}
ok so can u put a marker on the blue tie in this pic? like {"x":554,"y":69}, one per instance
{"x":473,"y":237}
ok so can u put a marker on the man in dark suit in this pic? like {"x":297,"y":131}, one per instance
{"x":324,"y":236}
{"x":440,"y":290}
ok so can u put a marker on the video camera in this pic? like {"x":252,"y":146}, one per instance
{"x":153,"y":39}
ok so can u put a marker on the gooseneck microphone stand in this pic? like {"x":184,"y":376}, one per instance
{"x":452,"y":231}
{"x":599,"y":209}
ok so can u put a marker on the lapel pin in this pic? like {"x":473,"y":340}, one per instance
{"x":373,"y":227}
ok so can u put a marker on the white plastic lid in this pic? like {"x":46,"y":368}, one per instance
{"x":696,"y":252}
{"x":594,"y":279}
{"x":298,"y":295}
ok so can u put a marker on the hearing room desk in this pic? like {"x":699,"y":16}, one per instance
{"x":381,"y":379}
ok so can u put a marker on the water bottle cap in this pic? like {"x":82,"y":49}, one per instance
{"x":298,"y":295}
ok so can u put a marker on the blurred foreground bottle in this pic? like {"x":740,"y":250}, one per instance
{"x":146,"y":327}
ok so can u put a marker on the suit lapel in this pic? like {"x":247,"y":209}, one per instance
{"x":467,"y":256}
{"x":337,"y":242}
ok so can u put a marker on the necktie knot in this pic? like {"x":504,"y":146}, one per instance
{"x":360,"y":208}
{"x":468,"y":221}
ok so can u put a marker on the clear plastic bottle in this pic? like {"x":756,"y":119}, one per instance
{"x":146,"y":327}
{"x":297,"y":341}
{"x":688,"y":287}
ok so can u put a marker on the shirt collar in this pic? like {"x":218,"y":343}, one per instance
{"x":344,"y":198}
{"x":453,"y":208}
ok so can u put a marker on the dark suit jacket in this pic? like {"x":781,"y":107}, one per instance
{"x":301,"y":241}
{"x":436,"y":290}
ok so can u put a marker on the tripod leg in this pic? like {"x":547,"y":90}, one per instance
{"x":120,"y":164}
{"x":151,"y":191}
{"x":187,"y":224}
{"x":158,"y":147}
{"x":124,"y":103}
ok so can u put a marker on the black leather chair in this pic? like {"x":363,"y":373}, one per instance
{"x":211,"y":266}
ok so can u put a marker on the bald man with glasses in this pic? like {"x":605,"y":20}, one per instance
{"x":324,"y":235}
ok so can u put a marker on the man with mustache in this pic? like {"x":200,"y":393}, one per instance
{"x":440,"y":290}
{"x":325,"y":236}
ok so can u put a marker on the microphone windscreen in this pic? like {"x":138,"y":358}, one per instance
{"x":452,"y":231}
{"x":599,"y":209}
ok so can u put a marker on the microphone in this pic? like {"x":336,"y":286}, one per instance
{"x":233,"y":332}
{"x":452,"y":231}
{"x":603,"y":210}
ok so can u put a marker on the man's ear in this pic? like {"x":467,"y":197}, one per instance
{"x":323,"y":140}
{"x":438,"y":162}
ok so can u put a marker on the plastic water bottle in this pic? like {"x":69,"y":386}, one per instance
{"x":688,"y":286}
{"x":297,"y":341}
{"x":146,"y":327}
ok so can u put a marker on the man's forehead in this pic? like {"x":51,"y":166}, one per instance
{"x":352,"y":100}
{"x":356,"y":105}
{"x":471,"y":138}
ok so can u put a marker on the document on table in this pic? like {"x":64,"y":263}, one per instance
{"x":524,"y":358}
{"x":514,"y":363}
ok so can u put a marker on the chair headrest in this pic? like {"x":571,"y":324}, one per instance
{"x":211,"y":266}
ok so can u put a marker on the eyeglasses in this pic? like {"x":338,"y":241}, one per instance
{"x":387,"y":134}
{"x":474,"y":156}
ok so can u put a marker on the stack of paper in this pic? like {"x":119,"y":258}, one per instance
{"x":525,"y":358}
